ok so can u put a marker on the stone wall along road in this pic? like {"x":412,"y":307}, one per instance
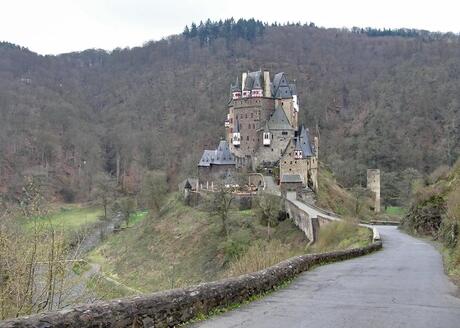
{"x":170,"y":308}
{"x":403,"y":285}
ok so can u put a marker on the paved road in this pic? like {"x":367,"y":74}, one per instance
{"x":271,"y":186}
{"x":401,"y":286}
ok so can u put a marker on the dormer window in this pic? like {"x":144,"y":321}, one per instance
{"x":256,"y":93}
{"x":267,"y":139}
{"x":236,"y":140}
{"x":297,"y":154}
{"x":236,"y":95}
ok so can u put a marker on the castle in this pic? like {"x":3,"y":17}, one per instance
{"x":262,"y":132}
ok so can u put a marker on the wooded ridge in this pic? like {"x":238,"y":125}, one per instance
{"x":383,"y":100}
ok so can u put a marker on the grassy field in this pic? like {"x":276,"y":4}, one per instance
{"x":70,"y":217}
{"x":341,"y":235}
{"x":395,"y":211}
{"x":185,"y":246}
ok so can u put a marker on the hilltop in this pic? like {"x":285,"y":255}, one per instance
{"x":383,"y":100}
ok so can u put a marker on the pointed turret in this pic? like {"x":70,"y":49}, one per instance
{"x":235,"y":90}
{"x":297,"y":148}
{"x":304,"y":143}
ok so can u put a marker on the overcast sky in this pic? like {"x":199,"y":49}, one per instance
{"x":57,"y":26}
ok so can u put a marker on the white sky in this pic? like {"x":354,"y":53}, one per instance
{"x":58,"y":26}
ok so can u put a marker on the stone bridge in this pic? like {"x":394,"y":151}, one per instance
{"x":308,"y":218}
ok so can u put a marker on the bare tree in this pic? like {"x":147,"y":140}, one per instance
{"x":105,"y":191}
{"x":268,"y":209}
{"x":35,"y":264}
{"x":154,"y":190}
{"x":220,"y":206}
{"x":128,"y":207}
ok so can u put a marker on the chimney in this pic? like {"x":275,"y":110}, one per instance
{"x":267,"y":90}
{"x":243,"y":80}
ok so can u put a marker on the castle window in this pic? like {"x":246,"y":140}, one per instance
{"x":247,"y":138}
{"x":246,"y":116}
{"x":284,"y":133}
{"x":252,"y":115}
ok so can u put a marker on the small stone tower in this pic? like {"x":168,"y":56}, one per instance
{"x":187,"y":192}
{"x":373,"y":184}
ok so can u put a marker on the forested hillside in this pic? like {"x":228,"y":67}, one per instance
{"x":383,"y":100}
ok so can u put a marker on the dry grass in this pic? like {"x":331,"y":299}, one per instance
{"x":185,"y":246}
{"x":259,"y":256}
{"x":341,"y":235}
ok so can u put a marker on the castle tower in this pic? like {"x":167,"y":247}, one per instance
{"x":262,"y":117}
{"x":267,"y":90}
{"x":373,"y":184}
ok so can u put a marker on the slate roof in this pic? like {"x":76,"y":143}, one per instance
{"x":291,"y":178}
{"x":187,"y":185}
{"x":219,"y":156}
{"x":253,"y":81}
{"x":293,"y":88}
{"x":266,"y":128}
{"x":279,"y":120}
{"x":302,"y":142}
{"x":192,"y":181}
{"x":281,"y":87}
{"x":235,"y":87}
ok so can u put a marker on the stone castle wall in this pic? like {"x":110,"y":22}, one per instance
{"x":249,"y":112}
{"x":273,"y":152}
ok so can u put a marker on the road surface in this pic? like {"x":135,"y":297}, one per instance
{"x":402,"y":285}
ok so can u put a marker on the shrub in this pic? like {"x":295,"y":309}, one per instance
{"x":235,"y":246}
{"x":425,"y":217}
{"x":67,"y":194}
